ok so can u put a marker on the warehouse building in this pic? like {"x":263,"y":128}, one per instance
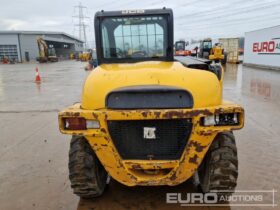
{"x":22,"y":45}
{"x":262,"y":48}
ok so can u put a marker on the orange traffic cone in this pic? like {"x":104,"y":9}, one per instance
{"x":38,"y":78}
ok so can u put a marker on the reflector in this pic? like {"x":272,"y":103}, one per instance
{"x":93,"y":124}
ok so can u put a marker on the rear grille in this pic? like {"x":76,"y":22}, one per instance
{"x":163,"y":140}
{"x":149,"y":97}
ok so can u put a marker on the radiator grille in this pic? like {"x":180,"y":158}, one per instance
{"x":150,"y":139}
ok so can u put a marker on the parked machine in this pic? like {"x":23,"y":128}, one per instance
{"x":45,"y":53}
{"x":146,"y":118}
{"x":217,"y":53}
{"x":85,"y":56}
{"x":5,"y":60}
{"x":205,"y":48}
{"x":72,"y":56}
{"x":180,"y":49}
{"x":214,"y":52}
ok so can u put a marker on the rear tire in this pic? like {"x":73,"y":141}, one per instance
{"x":219,"y":169}
{"x":87,"y":175}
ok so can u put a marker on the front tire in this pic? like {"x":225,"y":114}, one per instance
{"x":219,"y":169}
{"x":205,"y":55}
{"x":87,"y":175}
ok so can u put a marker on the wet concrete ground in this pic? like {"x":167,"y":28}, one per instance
{"x":34,"y":155}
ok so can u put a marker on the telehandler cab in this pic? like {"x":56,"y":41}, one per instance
{"x":146,"y":118}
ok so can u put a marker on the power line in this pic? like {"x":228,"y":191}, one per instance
{"x":211,"y":10}
{"x":82,"y":26}
{"x":233,"y":12}
{"x":204,"y":32}
{"x":230,"y":23}
{"x":244,"y":19}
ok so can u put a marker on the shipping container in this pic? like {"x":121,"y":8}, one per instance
{"x":262,"y":48}
{"x":231,"y":47}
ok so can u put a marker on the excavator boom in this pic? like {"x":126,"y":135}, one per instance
{"x":44,"y":55}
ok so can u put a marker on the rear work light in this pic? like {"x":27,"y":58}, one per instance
{"x":79,"y":123}
{"x":221,"y":119}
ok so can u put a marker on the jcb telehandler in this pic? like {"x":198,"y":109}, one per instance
{"x":212,"y":52}
{"x":145,"y":118}
{"x":217,"y":53}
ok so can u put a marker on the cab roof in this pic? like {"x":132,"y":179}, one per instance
{"x":136,"y":12}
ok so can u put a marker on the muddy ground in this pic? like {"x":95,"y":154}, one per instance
{"x":34,"y":155}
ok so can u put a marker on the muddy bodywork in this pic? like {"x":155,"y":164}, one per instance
{"x":151,"y":172}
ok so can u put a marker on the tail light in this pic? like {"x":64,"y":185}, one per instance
{"x":79,"y":123}
{"x":75,"y":123}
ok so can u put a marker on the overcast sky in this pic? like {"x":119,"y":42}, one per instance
{"x":192,"y":18}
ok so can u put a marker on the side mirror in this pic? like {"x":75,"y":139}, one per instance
{"x":95,"y":63}
{"x":216,"y":69}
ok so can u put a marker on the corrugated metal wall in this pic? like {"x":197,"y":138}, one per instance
{"x":29,"y":45}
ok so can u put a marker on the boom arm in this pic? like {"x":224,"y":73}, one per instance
{"x":43,"y":47}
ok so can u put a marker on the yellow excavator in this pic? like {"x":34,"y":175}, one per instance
{"x":45,"y":53}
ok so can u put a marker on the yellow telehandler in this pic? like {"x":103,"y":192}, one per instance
{"x":146,"y":118}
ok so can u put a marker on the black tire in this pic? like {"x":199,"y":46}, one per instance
{"x":219,"y":169}
{"x":87,"y":175}
{"x":224,"y":61}
{"x":205,"y":55}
